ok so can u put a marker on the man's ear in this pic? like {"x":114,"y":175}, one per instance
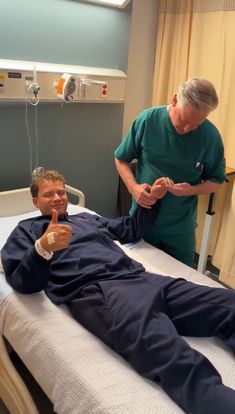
{"x":174,"y":100}
{"x":35,"y":202}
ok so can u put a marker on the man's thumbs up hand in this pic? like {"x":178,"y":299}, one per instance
{"x":57,"y":236}
{"x":54,"y":217}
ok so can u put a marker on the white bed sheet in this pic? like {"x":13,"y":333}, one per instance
{"x":77,"y":371}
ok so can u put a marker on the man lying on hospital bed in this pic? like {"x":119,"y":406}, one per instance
{"x":139,"y":315}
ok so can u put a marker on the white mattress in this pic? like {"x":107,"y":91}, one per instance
{"x":76,"y":370}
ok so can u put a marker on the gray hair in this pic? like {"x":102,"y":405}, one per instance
{"x":199,"y":93}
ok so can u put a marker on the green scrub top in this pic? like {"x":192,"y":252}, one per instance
{"x":161,"y":152}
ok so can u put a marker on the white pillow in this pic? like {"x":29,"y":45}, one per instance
{"x":75,"y":209}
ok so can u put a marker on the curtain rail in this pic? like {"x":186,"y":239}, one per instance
{"x":195,"y":6}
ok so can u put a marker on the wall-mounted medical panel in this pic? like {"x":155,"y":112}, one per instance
{"x":23,"y":80}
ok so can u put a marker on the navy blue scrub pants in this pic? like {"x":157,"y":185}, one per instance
{"x":143,"y":317}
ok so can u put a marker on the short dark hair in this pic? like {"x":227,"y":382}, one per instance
{"x":39,"y":175}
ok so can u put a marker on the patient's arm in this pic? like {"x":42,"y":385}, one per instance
{"x":129,"y":229}
{"x":26,"y":271}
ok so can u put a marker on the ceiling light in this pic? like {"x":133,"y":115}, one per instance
{"x":114,"y":3}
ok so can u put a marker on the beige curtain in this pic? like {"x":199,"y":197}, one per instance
{"x":196,"y":38}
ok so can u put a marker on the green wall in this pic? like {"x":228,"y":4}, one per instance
{"x":78,"y":139}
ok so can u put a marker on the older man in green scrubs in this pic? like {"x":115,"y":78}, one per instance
{"x":178,"y":142}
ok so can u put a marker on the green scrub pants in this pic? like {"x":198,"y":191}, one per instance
{"x":179,"y":246}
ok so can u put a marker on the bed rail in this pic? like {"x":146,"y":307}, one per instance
{"x":13,"y":390}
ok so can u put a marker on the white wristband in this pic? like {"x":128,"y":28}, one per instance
{"x":42,"y":252}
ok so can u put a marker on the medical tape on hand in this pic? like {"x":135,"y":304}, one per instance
{"x":51,"y":237}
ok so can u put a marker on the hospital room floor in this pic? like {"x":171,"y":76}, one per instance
{"x":42,"y":402}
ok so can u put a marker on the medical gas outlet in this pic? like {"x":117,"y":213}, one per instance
{"x":32,"y":89}
{"x":92,"y":84}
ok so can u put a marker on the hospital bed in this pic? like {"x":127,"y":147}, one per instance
{"x":77,"y":371}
